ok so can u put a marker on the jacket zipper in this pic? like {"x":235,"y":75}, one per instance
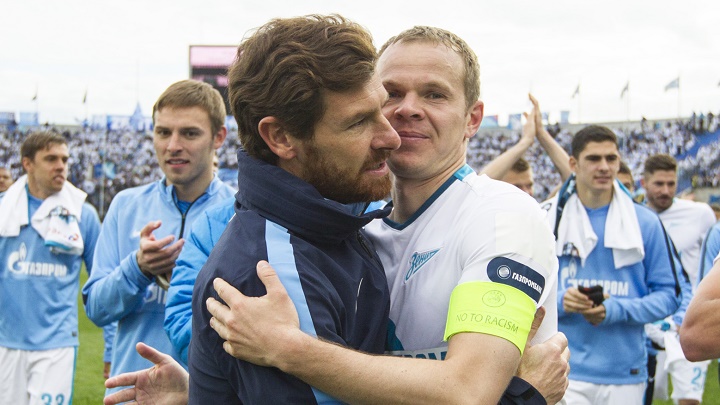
{"x":183,"y":215}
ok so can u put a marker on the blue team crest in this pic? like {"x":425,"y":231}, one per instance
{"x":418,"y":260}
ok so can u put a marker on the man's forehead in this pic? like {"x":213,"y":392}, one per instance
{"x":417,"y":53}
{"x":662,"y":175}
{"x":55,"y":149}
{"x":367,"y":97}
{"x":605,"y":148}
{"x":181,"y":117}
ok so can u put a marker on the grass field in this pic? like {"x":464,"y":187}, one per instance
{"x":89,"y":388}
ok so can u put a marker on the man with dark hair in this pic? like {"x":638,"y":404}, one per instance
{"x":315,"y":140}
{"x":5,"y":179}
{"x":624,"y":175}
{"x":520,"y":175}
{"x":47,"y":231}
{"x":434,"y":108}
{"x":439,"y":254}
{"x":144,"y":229}
{"x":687,"y":222}
{"x":615,"y":275}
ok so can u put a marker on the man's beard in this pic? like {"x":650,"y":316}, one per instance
{"x":341,"y":184}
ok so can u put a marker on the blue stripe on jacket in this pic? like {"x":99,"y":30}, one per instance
{"x":282,"y":259}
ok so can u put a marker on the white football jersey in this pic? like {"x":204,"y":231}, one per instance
{"x":472,"y":229}
{"x":687,"y":223}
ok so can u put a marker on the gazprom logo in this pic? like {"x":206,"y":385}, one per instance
{"x":418,"y":260}
{"x":504,"y":272}
{"x":16,"y":264}
{"x":507,"y":271}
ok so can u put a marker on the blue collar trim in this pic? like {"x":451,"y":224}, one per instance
{"x":459,"y":175}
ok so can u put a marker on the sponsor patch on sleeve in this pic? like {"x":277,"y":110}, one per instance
{"x":509,"y":272}
{"x":491,"y":308}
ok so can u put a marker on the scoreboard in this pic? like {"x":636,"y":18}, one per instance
{"x":209,"y":64}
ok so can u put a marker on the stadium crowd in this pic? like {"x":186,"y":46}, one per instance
{"x":129,"y":159}
{"x":636,"y":144}
{"x":516,"y":288}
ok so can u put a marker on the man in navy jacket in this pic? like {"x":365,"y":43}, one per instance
{"x":302,"y":163}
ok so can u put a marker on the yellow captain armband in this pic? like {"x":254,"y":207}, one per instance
{"x":491,"y":308}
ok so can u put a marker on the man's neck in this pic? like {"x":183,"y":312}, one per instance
{"x":191,"y":192}
{"x":36,"y":191}
{"x":409,"y":194}
{"x":656,"y":209}
{"x":593,"y":200}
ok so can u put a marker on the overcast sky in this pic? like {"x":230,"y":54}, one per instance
{"x":125,"y":52}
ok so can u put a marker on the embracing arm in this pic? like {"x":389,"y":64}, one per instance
{"x":361,"y":378}
{"x":699,"y":332}
{"x":353,"y":376}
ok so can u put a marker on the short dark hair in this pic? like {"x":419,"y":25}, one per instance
{"x":521,"y":165}
{"x":37,"y":141}
{"x":192,"y":93}
{"x":286,"y":66}
{"x":591,"y":133}
{"x":437,"y":36}
{"x":624,"y":168}
{"x":660,"y":161}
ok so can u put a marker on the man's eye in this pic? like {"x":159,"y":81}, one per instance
{"x":358,"y":123}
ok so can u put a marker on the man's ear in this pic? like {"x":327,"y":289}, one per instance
{"x":26,"y":162}
{"x":642,"y":182}
{"x":277,"y":138}
{"x":220,"y":137}
{"x":573,"y":163}
{"x":475,"y":117}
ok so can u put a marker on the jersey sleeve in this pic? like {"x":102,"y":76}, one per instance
{"x":514,"y":256}
{"x":90,"y":225}
{"x":178,"y":309}
{"x":663,"y":297}
{"x":116,"y":285}
{"x":710,"y":250}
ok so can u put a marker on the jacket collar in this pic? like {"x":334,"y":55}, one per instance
{"x":285,"y":199}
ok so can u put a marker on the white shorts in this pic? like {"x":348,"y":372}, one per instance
{"x":37,"y":377}
{"x":585,"y":393}
{"x":688,"y":379}
{"x":661,"y":378}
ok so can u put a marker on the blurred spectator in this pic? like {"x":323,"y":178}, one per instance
{"x":130,"y":161}
{"x":5,"y":179}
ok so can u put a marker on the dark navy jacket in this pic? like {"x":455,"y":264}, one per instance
{"x":329,"y":269}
